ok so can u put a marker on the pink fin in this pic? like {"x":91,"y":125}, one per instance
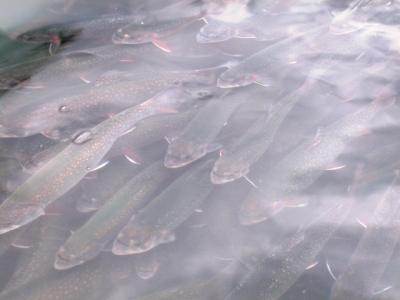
{"x":132,"y":156}
{"x":328,"y":267}
{"x":162,"y":45}
{"x":312,"y":265}
{"x":295,"y":203}
{"x":335,"y":168}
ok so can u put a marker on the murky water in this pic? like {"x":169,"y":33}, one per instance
{"x":215,"y":149}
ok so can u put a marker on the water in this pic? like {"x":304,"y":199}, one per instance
{"x":199,"y":150}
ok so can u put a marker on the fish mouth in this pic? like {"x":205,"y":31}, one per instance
{"x":220,"y":179}
{"x":62,"y":263}
{"x":224,"y":82}
{"x":174,"y":163}
{"x":122,"y":248}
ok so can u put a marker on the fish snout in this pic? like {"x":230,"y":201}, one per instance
{"x":64,"y":261}
{"x":123,"y":245}
{"x":230,"y":79}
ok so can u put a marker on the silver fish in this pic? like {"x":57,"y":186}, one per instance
{"x":373,"y":251}
{"x":79,"y":158}
{"x":306,"y":162}
{"x":93,"y":104}
{"x":296,"y":259}
{"x":235,"y":160}
{"x":197,"y":139}
{"x":89,"y":240}
{"x":154,"y":225}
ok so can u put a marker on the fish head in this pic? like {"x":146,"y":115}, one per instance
{"x":65,"y":260}
{"x":224,"y":172}
{"x":232,"y":78}
{"x":135,"y":240}
{"x":214,"y":33}
{"x":256,"y":209}
{"x":181,"y":153}
{"x":16,"y":216}
{"x":130,"y":35}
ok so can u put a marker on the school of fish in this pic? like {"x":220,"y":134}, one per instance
{"x":201,"y":150}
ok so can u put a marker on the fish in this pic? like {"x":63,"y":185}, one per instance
{"x":281,"y":57}
{"x":197,"y":139}
{"x":288,"y":56}
{"x":89,"y":240}
{"x":90,"y":281}
{"x":154,"y":32}
{"x":155,"y":223}
{"x":42,"y":239}
{"x":236,"y":159}
{"x":372,"y":254}
{"x":94,"y":193}
{"x":91,"y":105}
{"x":95,"y":31}
{"x":295,"y":260}
{"x":80,"y":157}
{"x":81,"y":65}
{"x":306,"y":162}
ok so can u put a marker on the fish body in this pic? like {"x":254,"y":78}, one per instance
{"x":236,"y":159}
{"x":87,"y":242}
{"x":374,"y":250}
{"x":197,"y":139}
{"x":295,"y":258}
{"x":306,"y":162}
{"x":155,"y":223}
{"x":281,"y":56}
{"x":79,"y":158}
{"x":92,"y":105}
